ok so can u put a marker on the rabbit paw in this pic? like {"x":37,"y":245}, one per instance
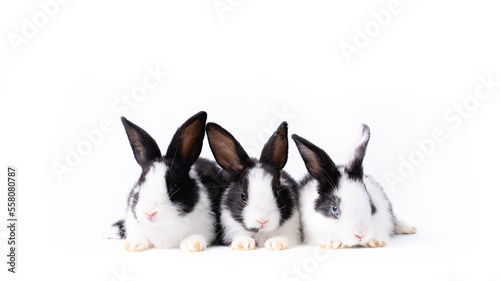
{"x":404,"y":228}
{"x":137,"y":246}
{"x":243,"y":243}
{"x":333,"y":245}
{"x":194,"y":243}
{"x":277,"y":243}
{"x":375,"y":243}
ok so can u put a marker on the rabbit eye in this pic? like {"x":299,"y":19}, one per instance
{"x":173,"y":188}
{"x":244,"y":197}
{"x":336,"y":211}
{"x":277,"y":193}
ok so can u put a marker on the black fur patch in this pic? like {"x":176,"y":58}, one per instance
{"x":326,"y":198}
{"x":372,"y":206}
{"x":182,"y":189}
{"x":216,"y":182}
{"x":286,"y":196}
{"x":354,"y":168}
{"x":355,"y":175}
{"x":121,"y":228}
{"x":134,"y":198}
{"x":232,"y":197}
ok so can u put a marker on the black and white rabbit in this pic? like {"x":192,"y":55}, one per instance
{"x":340,"y":206}
{"x":260,"y":207}
{"x":175,"y":201}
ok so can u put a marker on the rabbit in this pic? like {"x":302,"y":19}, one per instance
{"x":175,"y":201}
{"x":260,"y":206}
{"x":340,"y":206}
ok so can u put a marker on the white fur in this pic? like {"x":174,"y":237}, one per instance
{"x":355,"y":214}
{"x":194,"y":243}
{"x":261,"y":205}
{"x":404,"y":228}
{"x":168,"y":228}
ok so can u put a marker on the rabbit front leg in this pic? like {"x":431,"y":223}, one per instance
{"x":136,"y":240}
{"x":277,"y":243}
{"x":194,"y":243}
{"x":243,"y":243}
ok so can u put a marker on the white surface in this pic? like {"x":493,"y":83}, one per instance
{"x":262,"y":59}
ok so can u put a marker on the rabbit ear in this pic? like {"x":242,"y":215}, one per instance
{"x":144,"y":146}
{"x":318,"y":163}
{"x":275,"y":151}
{"x":354,"y":164}
{"x":226,"y":149}
{"x":185,"y":146}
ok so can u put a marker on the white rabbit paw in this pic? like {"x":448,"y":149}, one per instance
{"x":243,"y":243}
{"x":277,"y":243}
{"x":137,"y":246}
{"x":375,"y":243}
{"x":194,"y":243}
{"x":404,"y":228}
{"x":333,"y":245}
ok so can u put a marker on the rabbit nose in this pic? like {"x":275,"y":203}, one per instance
{"x":359,"y":236}
{"x":360,"y":231}
{"x":262,"y":222}
{"x":150,"y":215}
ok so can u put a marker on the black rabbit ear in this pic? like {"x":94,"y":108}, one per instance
{"x":226,"y":149}
{"x":185,"y":146}
{"x":144,"y":146}
{"x":354,"y":164}
{"x":275,"y":151}
{"x":318,"y":163}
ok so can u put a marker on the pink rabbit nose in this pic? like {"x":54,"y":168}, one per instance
{"x":150,"y":215}
{"x":262,"y":222}
{"x":360,"y":231}
{"x":359,"y":236}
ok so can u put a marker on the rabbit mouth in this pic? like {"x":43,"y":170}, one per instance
{"x":263,"y":228}
{"x":254,"y":229}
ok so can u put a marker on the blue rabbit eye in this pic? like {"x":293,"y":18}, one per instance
{"x":243,"y":197}
{"x":173,"y":187}
{"x":335,"y":211}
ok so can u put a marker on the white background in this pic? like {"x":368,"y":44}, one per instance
{"x":245,"y":69}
